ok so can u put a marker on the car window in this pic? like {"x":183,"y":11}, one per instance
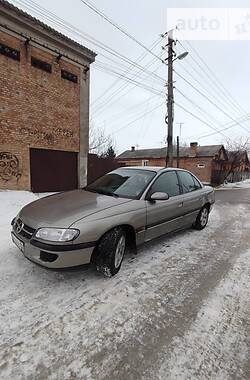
{"x":125,"y":183}
{"x":166,"y":183}
{"x":196,"y":183}
{"x":188,"y":182}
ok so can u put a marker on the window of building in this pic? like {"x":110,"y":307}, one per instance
{"x":144,"y":162}
{"x":189,"y":183}
{"x":69,"y":76}
{"x":166,"y":183}
{"x":41,"y":65}
{"x":9,"y":52}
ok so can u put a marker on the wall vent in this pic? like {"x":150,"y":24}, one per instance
{"x":69,"y":76}
{"x":41,"y":65}
{"x":9,"y":52}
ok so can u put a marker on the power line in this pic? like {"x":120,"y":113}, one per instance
{"x":29,"y":4}
{"x":69,"y":27}
{"x":219,"y":97}
{"x":214,"y":78}
{"x":139,"y":59}
{"x":209,"y":100}
{"x":119,"y":90}
{"x":54,"y":19}
{"x":123,"y":72}
{"x":118,"y":93}
{"x":113,"y":120}
{"x":132,"y":122}
{"x":198,"y":118}
{"x":197,"y":106}
{"x":118,"y":27}
{"x":127,"y":79}
{"x":221,"y":130}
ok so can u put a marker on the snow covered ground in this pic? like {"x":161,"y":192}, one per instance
{"x":177,"y":310}
{"x":236,"y":185}
{"x":198,"y":352}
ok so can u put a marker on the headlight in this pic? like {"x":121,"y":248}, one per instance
{"x":57,"y":234}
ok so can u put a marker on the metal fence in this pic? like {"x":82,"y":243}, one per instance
{"x":98,"y":166}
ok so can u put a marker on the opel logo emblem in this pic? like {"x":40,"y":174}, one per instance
{"x":19,"y":226}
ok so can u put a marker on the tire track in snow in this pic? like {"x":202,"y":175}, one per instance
{"x":84,"y":329}
{"x":217,"y":345}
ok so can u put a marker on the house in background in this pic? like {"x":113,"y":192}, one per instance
{"x":208,"y":162}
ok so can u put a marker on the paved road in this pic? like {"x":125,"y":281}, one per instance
{"x":234,"y":196}
{"x":178,"y":310}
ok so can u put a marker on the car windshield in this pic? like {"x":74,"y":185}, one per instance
{"x":125,"y":183}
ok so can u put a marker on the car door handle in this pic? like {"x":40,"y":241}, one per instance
{"x":180,"y":204}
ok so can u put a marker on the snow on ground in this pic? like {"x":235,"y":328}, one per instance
{"x":208,"y":350}
{"x":79,"y":325}
{"x":236,"y":185}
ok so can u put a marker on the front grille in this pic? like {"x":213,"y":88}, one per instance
{"x":26,"y":231}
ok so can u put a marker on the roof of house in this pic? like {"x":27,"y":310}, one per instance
{"x":33,"y":20}
{"x":202,"y":151}
{"x":238,"y":154}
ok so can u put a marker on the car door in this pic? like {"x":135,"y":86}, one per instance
{"x":192,"y":196}
{"x":164,"y":216}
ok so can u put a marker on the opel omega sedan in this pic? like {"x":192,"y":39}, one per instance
{"x":119,"y":211}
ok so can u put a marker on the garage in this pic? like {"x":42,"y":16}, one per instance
{"x":53,"y":170}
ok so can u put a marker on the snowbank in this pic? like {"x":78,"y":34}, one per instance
{"x":236,"y":185}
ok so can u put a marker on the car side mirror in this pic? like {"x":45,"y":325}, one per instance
{"x":159,"y":196}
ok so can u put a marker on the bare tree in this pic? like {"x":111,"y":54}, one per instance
{"x":240,"y":144}
{"x":99,"y":140}
{"x":237,"y":151}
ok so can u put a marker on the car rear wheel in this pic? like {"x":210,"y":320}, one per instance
{"x":202,"y":218}
{"x":110,"y":252}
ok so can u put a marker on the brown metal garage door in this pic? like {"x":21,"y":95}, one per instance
{"x":52,"y":170}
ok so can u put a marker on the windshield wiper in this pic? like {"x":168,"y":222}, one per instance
{"x":104,"y":192}
{"x":91,"y":190}
{"x":100,"y":191}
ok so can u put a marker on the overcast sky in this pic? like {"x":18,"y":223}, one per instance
{"x":146,"y":20}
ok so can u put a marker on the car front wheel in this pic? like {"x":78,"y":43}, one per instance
{"x":202,"y":218}
{"x":110,"y":252}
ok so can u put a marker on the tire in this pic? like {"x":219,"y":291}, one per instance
{"x":202,"y":218}
{"x":110,"y":252}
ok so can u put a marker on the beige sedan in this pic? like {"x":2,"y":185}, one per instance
{"x":120,"y":210}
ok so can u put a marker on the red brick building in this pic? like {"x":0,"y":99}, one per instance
{"x":206,"y":162}
{"x":44,"y":105}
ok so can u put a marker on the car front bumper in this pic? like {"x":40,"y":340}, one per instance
{"x":54,"y":255}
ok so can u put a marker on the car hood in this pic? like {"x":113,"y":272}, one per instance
{"x":63,"y":209}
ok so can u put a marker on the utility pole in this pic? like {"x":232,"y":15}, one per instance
{"x":170,"y":101}
{"x":178,"y":151}
{"x":169,"y":119}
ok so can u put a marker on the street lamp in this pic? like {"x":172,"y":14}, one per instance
{"x":182,"y":55}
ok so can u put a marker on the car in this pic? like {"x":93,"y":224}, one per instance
{"x":121,"y":210}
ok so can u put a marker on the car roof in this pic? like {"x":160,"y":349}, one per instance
{"x":153,"y":168}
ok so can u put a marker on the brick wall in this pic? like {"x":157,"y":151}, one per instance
{"x":191,"y":164}
{"x":188,"y":163}
{"x":37,"y":109}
